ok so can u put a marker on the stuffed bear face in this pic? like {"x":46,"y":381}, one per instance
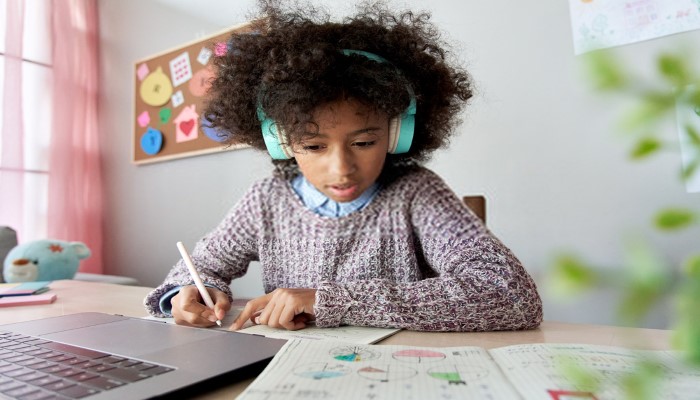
{"x":21,"y":270}
{"x":44,"y":260}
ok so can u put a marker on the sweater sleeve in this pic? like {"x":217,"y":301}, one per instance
{"x":220,"y":256}
{"x":475,"y":283}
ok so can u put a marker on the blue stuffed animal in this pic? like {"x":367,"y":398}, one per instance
{"x":44,"y":260}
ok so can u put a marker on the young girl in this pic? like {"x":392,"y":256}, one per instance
{"x":350,"y":229}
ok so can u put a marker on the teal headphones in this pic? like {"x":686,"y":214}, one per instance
{"x":400,"y":128}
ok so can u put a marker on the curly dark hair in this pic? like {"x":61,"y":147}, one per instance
{"x":294,"y":62}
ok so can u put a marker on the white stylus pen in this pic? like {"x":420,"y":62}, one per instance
{"x":195,"y":276}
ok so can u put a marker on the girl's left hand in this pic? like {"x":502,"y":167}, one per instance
{"x":282,"y":308}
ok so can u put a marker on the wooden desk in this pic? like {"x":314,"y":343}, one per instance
{"x":78,"y":296}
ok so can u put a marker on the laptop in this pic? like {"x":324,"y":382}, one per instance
{"x":103,"y":356}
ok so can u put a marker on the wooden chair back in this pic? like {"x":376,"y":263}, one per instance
{"x":476,"y":204}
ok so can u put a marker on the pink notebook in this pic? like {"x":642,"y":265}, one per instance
{"x":46,"y":298}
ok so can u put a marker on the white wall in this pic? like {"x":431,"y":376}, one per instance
{"x":535,"y":140}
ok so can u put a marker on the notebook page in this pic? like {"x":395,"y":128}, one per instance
{"x":336,"y":370}
{"x":230,"y":316}
{"x":352,"y":334}
{"x":681,"y":380}
{"x":537,"y":371}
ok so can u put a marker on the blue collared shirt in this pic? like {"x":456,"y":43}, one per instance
{"x":322,"y":205}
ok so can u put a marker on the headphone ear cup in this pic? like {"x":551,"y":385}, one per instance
{"x":401,"y":133}
{"x":274,"y":140}
{"x":394,"y":126}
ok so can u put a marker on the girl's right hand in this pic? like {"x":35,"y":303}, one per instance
{"x":188,"y":307}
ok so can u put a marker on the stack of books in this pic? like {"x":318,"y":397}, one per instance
{"x":25,"y":293}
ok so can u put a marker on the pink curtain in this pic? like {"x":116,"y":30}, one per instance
{"x":75,"y":183}
{"x":12,"y":161}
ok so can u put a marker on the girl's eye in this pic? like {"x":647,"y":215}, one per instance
{"x":311,"y":147}
{"x":364,"y":144}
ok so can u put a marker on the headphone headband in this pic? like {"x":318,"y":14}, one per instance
{"x":401,"y":128}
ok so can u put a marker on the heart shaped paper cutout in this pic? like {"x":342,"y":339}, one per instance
{"x":186,"y":126}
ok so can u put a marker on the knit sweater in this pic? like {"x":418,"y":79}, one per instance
{"x":416,"y":258}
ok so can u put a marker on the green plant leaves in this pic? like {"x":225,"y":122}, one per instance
{"x":686,"y":335}
{"x":645,"y":147}
{"x":691,"y":267}
{"x":694,"y":140}
{"x":646,"y":278}
{"x":691,"y":169}
{"x":584,"y":378}
{"x":652,"y":107}
{"x":686,"y":338}
{"x":675,"y":69}
{"x":644,"y":381}
{"x":570,"y":275}
{"x":693,"y":135}
{"x":605,"y":72}
{"x":671,"y":219}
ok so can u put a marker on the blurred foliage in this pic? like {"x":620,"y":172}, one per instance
{"x":672,"y":219}
{"x":692,"y":168}
{"x":643,"y":381}
{"x":571,"y":276}
{"x":645,"y":146}
{"x":645,"y":279}
{"x":677,"y":84}
{"x":686,"y":335}
{"x":584,"y":379}
{"x":605,"y":72}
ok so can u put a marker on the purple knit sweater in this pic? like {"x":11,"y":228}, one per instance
{"x":416,"y":258}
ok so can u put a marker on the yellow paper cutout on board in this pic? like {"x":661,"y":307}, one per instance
{"x":156,"y":88}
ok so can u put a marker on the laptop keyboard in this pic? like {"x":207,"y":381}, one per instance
{"x":33,"y":368}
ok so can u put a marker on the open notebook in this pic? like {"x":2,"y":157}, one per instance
{"x":335,"y":370}
{"x":350,"y":334}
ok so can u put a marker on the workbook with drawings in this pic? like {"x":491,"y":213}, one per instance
{"x":305,"y":369}
{"x":351,"y":334}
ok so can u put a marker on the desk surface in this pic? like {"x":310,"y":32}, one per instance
{"x":78,"y":296}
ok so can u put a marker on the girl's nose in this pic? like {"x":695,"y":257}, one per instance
{"x":342,"y":162}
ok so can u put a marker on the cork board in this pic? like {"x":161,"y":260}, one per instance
{"x":170,"y":91}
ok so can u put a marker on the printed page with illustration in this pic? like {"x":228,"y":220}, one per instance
{"x":336,"y":370}
{"x":543,"y":371}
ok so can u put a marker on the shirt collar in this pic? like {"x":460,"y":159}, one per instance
{"x":322,"y":205}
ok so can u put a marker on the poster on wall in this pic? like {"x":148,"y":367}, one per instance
{"x":169,"y":98}
{"x":598,"y":24}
